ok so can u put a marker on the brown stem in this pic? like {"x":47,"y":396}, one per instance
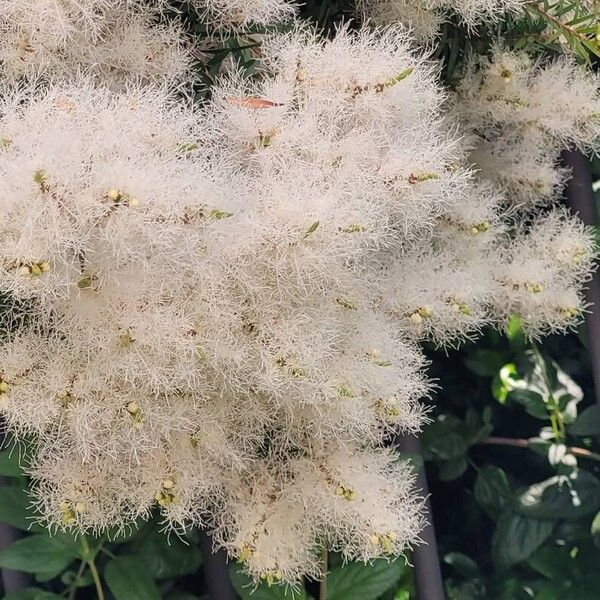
{"x":523,"y":443}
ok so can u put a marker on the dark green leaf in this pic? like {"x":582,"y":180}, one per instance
{"x":357,"y":581}
{"x":164,"y":557}
{"x":247,"y":590}
{"x":587,"y":423}
{"x":492,"y":489}
{"x":129,"y":578}
{"x":485,"y":363}
{"x":552,"y":562}
{"x":14,"y":510}
{"x":561,"y":497}
{"x":40,"y":553}
{"x":451,"y":469}
{"x":517,"y":537}
{"x":532,"y":402}
{"x":32,"y":594}
{"x":449,"y":446}
{"x":415,"y":460}
{"x":9,"y":463}
{"x":595,"y":526}
{"x":462,"y":564}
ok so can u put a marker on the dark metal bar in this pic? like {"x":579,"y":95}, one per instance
{"x":426,"y":562}
{"x":581,"y":200}
{"x":216,"y":571}
{"x":12,"y":581}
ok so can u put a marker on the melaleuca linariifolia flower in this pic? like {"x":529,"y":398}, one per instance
{"x":425,"y":17}
{"x":216,"y":312}
{"x":522,"y":113}
{"x":541,"y":273}
{"x":228,"y":15}
{"x":116,"y":40}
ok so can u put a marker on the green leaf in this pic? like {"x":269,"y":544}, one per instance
{"x":32,"y":594}
{"x":476,"y":427}
{"x":485,"y":363}
{"x":492,"y":489}
{"x":415,"y":460}
{"x":561,"y":497}
{"x":462,"y":564}
{"x":449,"y":446}
{"x":9,"y":463}
{"x":40,"y":553}
{"x":543,"y":388}
{"x":357,"y":581}
{"x":13,"y":508}
{"x":311,"y":229}
{"x":516,"y":537}
{"x":452,"y":469}
{"x":595,"y":526}
{"x":587,"y":423}
{"x":247,"y":590}
{"x":552,"y":562}
{"x":129,"y":578}
{"x":514,"y":330}
{"x":164,"y":557}
{"x":532,"y":402}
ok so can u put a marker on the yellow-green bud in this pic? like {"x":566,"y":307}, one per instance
{"x":133,"y":408}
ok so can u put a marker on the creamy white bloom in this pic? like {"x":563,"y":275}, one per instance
{"x":216,"y":311}
{"x":520,"y":114}
{"x":112,"y":39}
{"x":424,"y":17}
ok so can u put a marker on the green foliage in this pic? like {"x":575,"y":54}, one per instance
{"x":128,"y":578}
{"x":522,"y":519}
{"x":355,"y":581}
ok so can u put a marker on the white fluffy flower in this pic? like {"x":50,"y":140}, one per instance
{"x":424,"y":17}
{"x":216,"y":312}
{"x":112,"y":39}
{"x":520,"y":114}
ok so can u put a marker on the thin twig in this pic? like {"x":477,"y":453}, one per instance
{"x":89,"y":558}
{"x":73,"y":589}
{"x":523,"y":443}
{"x":96,"y":578}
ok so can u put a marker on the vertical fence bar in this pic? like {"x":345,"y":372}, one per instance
{"x":428,"y":575}
{"x":581,"y":200}
{"x":12,"y":581}
{"x":216,"y":571}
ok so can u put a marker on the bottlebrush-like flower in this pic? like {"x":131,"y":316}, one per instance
{"x":424,"y":17}
{"x":521,"y":114}
{"x":216,"y":312}
{"x":112,"y":39}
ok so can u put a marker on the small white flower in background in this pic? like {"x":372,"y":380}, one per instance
{"x":112,"y":39}
{"x":520,"y":114}
{"x":425,"y":17}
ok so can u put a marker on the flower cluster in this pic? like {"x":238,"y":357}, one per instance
{"x":215,"y":312}
{"x":520,"y":114}
{"x":425,"y":17}
{"x":116,"y":40}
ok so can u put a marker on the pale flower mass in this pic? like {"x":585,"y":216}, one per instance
{"x":216,"y":309}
